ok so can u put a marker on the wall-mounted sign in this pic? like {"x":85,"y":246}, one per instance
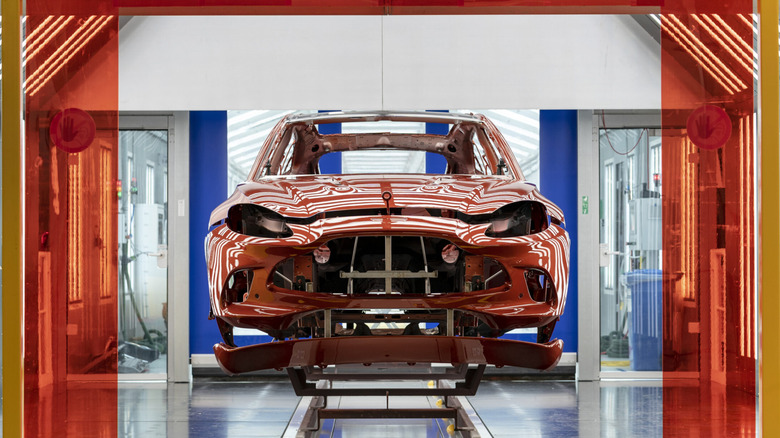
{"x":709,"y":127}
{"x":72,"y":130}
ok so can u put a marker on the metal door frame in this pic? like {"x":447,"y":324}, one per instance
{"x":177,"y":125}
{"x":589,"y":316}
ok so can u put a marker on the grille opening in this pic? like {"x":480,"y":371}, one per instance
{"x":540,"y":285}
{"x":417,"y":265}
{"x":387,"y":322}
{"x":237,"y":286}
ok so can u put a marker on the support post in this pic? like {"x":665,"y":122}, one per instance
{"x":769,"y":267}
{"x":13,"y":233}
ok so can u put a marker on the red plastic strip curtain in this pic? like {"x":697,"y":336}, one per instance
{"x":71,"y":98}
{"x":709,"y":314}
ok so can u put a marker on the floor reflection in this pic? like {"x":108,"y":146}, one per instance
{"x":710,"y":410}
{"x":568,"y":409}
{"x":212,"y":409}
{"x":75,"y":409}
{"x":508,"y":408}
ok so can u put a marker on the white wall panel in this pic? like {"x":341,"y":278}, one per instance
{"x":215,"y":63}
{"x":521,"y":61}
{"x":544,"y":62}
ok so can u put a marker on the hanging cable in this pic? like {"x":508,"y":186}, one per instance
{"x":606,"y":134}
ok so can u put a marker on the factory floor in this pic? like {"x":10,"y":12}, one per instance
{"x":222,"y":407}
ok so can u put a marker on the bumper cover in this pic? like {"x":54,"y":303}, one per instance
{"x":374,"y":349}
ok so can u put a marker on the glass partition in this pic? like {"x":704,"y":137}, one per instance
{"x":631,"y":242}
{"x":143,"y":248}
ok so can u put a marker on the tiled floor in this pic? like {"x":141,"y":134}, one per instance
{"x":569,"y":409}
{"x":216,"y":408}
{"x":208,"y":409}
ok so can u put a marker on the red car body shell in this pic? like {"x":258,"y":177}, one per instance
{"x":270,"y":308}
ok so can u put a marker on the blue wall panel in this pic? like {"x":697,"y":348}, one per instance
{"x":208,"y":188}
{"x":558,"y":181}
{"x":436,"y":163}
{"x":330,"y":164}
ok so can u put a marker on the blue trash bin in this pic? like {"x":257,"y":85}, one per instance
{"x":645,"y":331}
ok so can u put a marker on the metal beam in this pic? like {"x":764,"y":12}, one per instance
{"x":588,"y":330}
{"x":389,"y":274}
{"x":650,"y":26}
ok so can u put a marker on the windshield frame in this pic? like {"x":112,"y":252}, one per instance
{"x":298,"y":134}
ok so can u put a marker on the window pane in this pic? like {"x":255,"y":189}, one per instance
{"x":143,"y":273}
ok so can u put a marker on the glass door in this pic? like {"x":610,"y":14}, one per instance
{"x":630,"y":241}
{"x":142,"y":191}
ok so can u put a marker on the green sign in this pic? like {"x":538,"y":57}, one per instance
{"x":584,"y":205}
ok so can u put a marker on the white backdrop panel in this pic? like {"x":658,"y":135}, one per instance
{"x":520,"y":61}
{"x":369,"y":62}
{"x":218,"y":63}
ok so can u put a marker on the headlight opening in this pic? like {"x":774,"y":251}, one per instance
{"x":257,"y":221}
{"x":518,"y":219}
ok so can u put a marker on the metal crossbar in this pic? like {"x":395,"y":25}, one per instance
{"x":302,"y":387}
{"x":302,"y":382}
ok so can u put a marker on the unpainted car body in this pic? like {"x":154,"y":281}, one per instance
{"x":345,"y":268}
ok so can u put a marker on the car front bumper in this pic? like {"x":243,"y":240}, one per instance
{"x":323,"y":352}
{"x":270,"y":308}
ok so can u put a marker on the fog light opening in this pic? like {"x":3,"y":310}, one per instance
{"x":540,"y":285}
{"x":322,"y":254}
{"x":237,"y":286}
{"x":450,"y":253}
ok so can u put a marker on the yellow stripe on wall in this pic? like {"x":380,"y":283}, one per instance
{"x":769,"y":305}
{"x":13,"y":377}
